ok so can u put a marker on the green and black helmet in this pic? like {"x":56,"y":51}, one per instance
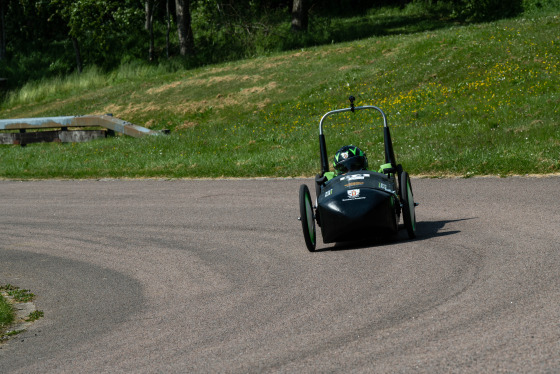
{"x":349,"y":158}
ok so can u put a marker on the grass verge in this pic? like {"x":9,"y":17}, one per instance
{"x":8,"y":316}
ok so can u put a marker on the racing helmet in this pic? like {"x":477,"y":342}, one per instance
{"x":349,"y":158}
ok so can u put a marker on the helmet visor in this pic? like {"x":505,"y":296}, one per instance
{"x":351,"y":164}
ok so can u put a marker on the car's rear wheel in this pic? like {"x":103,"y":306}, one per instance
{"x":408,"y":212}
{"x":307,"y":218}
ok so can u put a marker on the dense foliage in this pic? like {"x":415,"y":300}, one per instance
{"x":47,"y":38}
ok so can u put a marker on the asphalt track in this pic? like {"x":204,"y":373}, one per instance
{"x":150,"y":276}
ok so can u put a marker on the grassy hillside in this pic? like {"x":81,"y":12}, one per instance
{"x":463,"y":100}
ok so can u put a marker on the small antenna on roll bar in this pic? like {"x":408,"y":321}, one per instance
{"x":352,"y":98}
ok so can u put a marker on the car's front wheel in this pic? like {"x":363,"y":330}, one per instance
{"x":307,"y":218}
{"x":408,"y":211}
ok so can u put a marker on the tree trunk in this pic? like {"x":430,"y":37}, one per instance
{"x":2,"y":32}
{"x":184,"y":29}
{"x":300,"y":18}
{"x":78,"y":54}
{"x":168,"y":28}
{"x":149,"y":5}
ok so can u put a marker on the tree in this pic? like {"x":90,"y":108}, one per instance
{"x":149,"y":6}
{"x":168,"y":29}
{"x":2,"y":32}
{"x":184,"y":29}
{"x":78,"y":54}
{"x":104,"y":30}
{"x":300,"y":17}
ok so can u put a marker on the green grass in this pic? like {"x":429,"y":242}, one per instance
{"x":6,"y":315}
{"x":463,"y":100}
{"x":20,"y":295}
{"x":35,"y":315}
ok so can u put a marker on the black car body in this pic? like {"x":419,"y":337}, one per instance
{"x":358,"y":205}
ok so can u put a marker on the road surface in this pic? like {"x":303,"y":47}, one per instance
{"x":182,"y":276}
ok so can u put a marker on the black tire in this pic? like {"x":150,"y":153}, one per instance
{"x":307,"y":218}
{"x":407,"y":199}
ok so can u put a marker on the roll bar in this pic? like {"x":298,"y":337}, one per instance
{"x":389,"y":153}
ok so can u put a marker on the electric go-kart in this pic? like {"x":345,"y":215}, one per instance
{"x":361,"y":204}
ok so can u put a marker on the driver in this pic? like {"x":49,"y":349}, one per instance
{"x":349,"y":158}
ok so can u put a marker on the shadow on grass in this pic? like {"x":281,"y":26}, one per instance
{"x":354,"y":24}
{"x":337,"y":30}
{"x":392,"y":25}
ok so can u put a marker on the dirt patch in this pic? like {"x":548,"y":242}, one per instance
{"x":114,"y":109}
{"x":187,"y":106}
{"x":224,"y":101}
{"x":342,"y":50}
{"x":300,"y":54}
{"x":347,"y":67}
{"x":120,"y":111}
{"x":221,"y":101}
{"x":388,"y":52}
{"x":214,"y":71}
{"x":234,"y":78}
{"x":198,"y":82}
{"x":186,"y":125}
{"x":270,"y":63}
{"x":259,"y":89}
{"x":264,"y":103}
{"x":165,"y":87}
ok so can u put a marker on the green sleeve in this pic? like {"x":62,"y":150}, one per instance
{"x":384,"y":166}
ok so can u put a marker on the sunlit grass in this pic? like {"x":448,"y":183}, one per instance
{"x":6,"y":314}
{"x":465,"y":100}
{"x":40,"y":91}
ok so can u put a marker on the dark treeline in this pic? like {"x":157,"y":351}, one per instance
{"x":45,"y":38}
